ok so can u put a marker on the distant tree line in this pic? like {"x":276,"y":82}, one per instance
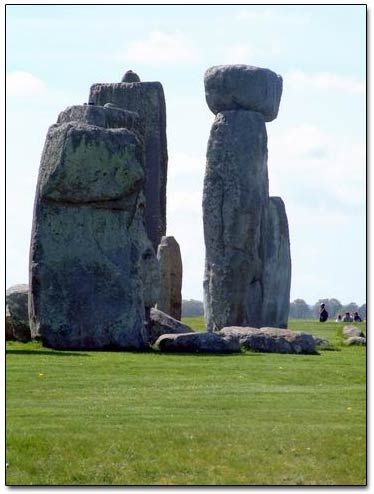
{"x":192,"y":308}
{"x":299,"y":309}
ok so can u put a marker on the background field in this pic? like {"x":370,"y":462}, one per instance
{"x":83,"y":418}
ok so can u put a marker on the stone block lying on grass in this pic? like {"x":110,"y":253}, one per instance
{"x":349,"y":331}
{"x":161,"y":323}
{"x":271,"y":340}
{"x":323,"y":344}
{"x":198,"y":343}
{"x":17,"y":317}
{"x":356,"y":340}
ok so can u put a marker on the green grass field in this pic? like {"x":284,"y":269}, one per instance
{"x":83,"y":418}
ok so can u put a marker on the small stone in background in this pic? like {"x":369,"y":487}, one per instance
{"x":349,"y":331}
{"x":17,"y":316}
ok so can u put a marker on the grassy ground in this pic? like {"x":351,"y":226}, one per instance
{"x":81,"y":418}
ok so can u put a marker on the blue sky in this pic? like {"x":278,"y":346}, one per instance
{"x":317,"y":161}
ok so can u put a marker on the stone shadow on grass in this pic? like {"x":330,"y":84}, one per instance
{"x":47,"y":352}
{"x":200,"y":354}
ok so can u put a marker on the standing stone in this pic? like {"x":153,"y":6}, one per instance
{"x":247,"y":265}
{"x":235,"y":198}
{"x":89,"y":245}
{"x":170,"y":261}
{"x":277,"y":266}
{"x":147,"y":99}
{"x":17,"y":319}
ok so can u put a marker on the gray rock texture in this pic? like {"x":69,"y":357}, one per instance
{"x":235,"y":200}
{"x":108,"y":116}
{"x":89,"y":250}
{"x":161,"y":323}
{"x":272,"y":340}
{"x":356,"y":340}
{"x":170,"y":262}
{"x":276,"y":279}
{"x":147,"y":99}
{"x":323,"y":344}
{"x":8,"y":325}
{"x":198,"y":343}
{"x":130,"y":76}
{"x":17,"y":318}
{"x":247,"y":264}
{"x":350,"y":331}
{"x":243,"y":87}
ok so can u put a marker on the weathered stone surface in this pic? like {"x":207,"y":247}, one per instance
{"x":161,"y":323}
{"x":198,"y":343}
{"x":356,"y":340}
{"x":17,"y":317}
{"x":130,"y":76}
{"x":88,"y":240}
{"x":235,"y":199}
{"x":108,"y":116}
{"x":8,"y":325}
{"x":276,"y":277}
{"x":350,"y":331}
{"x":89,"y":164}
{"x":170,"y":261}
{"x":147,"y":99}
{"x":243,"y":87}
{"x":323,"y":344}
{"x":272,"y":340}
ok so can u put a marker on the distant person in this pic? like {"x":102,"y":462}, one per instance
{"x":323,"y":314}
{"x":339,"y":318}
{"x":347,"y":317}
{"x":356,"y":317}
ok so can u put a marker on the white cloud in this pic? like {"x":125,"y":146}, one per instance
{"x":306,"y":141}
{"x":164,"y":48}
{"x":317,"y":169}
{"x":24,"y":84}
{"x":324,"y":81}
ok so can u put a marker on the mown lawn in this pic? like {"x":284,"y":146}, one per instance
{"x":83,"y":418}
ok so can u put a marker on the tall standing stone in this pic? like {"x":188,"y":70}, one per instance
{"x":89,"y":246}
{"x":147,"y":99}
{"x":234,"y":202}
{"x":277,"y":266}
{"x":238,"y":288}
{"x":170,"y":261}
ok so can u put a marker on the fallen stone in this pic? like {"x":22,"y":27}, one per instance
{"x":243,"y":87}
{"x":17,"y":325}
{"x":323,"y":344}
{"x":161,"y":323}
{"x":349,"y":331}
{"x":272,"y":340}
{"x":170,"y":262}
{"x":147,"y":99}
{"x":198,"y":343}
{"x":356,"y":340}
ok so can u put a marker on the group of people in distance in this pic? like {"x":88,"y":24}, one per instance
{"x":348,"y":317}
